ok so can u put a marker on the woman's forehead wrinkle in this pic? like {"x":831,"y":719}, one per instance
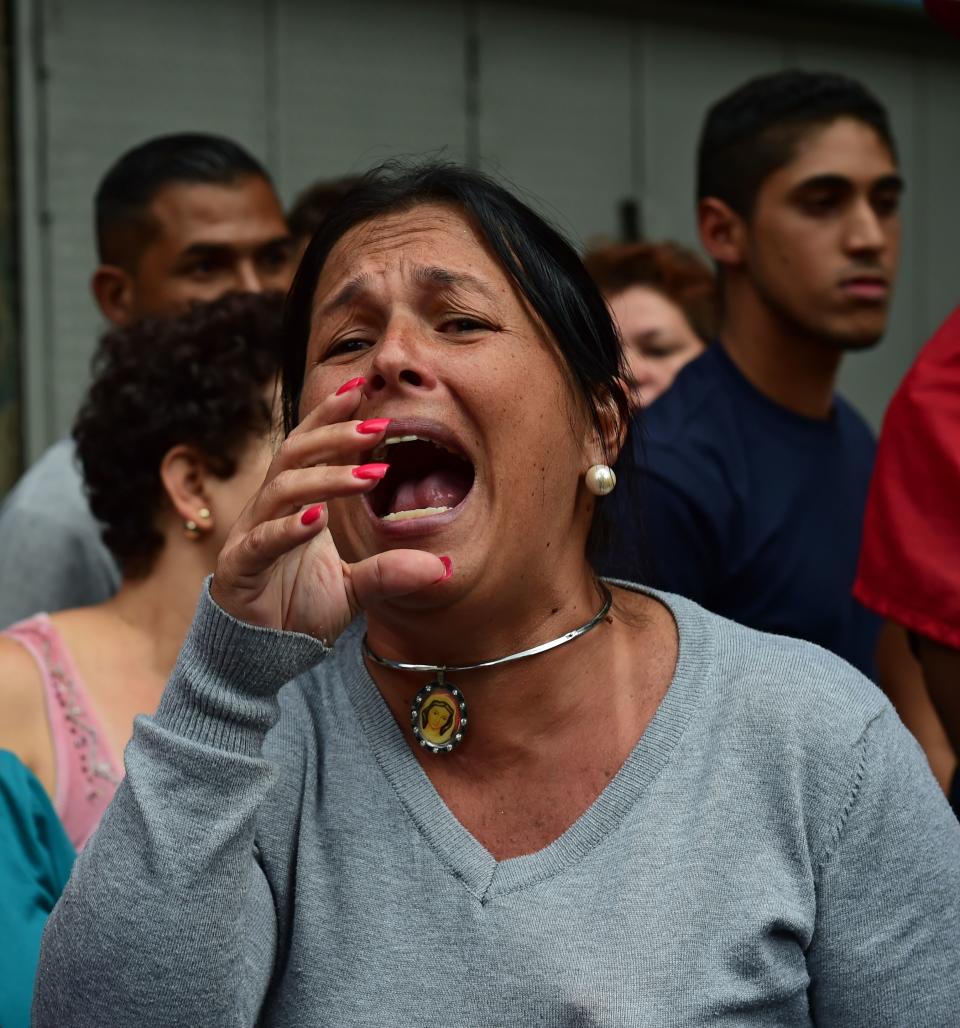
{"x":380,"y":241}
{"x":381,"y":236}
{"x":435,"y":248}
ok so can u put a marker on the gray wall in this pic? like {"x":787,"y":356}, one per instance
{"x":10,"y":408}
{"x":578,"y":108}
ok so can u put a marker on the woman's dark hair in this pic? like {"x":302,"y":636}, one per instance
{"x":438,"y":701}
{"x":545,"y":268}
{"x":197,"y":379}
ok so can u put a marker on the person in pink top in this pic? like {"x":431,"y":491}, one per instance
{"x":174,"y":436}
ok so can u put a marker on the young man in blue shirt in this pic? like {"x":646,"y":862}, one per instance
{"x":756,"y":470}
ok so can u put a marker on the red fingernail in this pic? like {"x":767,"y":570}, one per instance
{"x":372,"y":426}
{"x":311,"y":514}
{"x":447,"y":569}
{"x":370,"y":470}
{"x":354,"y":383}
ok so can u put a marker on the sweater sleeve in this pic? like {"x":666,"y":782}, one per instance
{"x":168,"y":918}
{"x":886,"y":947}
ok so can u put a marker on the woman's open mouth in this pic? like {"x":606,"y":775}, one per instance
{"x":426,"y":477}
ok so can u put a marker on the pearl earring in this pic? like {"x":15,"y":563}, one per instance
{"x":600,"y":479}
{"x":192,"y":529}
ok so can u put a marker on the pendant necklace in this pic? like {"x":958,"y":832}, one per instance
{"x":438,"y":714}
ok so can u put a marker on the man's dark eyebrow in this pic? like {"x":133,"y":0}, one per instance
{"x":890,"y":182}
{"x":224,"y":251}
{"x":217,"y":250}
{"x":348,"y":293}
{"x":277,"y":241}
{"x":835,"y":182}
{"x":841,"y":182}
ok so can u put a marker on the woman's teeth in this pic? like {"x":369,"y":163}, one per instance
{"x":425,"y":478}
{"x":381,"y":450}
{"x":407,"y":515}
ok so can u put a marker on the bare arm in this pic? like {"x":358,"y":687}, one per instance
{"x":23,"y":717}
{"x":902,"y":678}
{"x":941,"y":671}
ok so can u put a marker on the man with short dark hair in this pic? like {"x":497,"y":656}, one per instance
{"x":757,"y":471}
{"x":179,"y":219}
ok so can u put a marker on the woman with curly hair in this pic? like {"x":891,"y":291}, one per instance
{"x":174,"y":436}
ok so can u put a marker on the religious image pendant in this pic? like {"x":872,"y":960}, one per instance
{"x":438,"y":716}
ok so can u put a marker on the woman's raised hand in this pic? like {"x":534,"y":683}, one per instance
{"x":279,"y":567}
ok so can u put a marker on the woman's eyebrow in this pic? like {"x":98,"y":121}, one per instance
{"x":349,"y":292}
{"x":443,"y":278}
{"x":432,"y":277}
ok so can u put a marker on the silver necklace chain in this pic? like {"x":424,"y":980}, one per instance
{"x":442,"y":669}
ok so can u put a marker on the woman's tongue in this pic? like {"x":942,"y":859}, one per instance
{"x":444,"y":488}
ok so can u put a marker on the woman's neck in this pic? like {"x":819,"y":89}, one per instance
{"x":157,"y":610}
{"x":525,"y":710}
{"x":487,"y":621}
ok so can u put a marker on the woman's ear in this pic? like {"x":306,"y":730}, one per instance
{"x":112,"y":288}
{"x":614,"y":426}
{"x":184,"y":474}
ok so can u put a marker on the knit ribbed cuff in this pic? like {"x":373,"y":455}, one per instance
{"x":223,"y":689}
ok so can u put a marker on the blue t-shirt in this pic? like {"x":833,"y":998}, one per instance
{"x":750,"y":509}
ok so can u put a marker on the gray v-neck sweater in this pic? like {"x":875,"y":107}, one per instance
{"x":774,"y":851}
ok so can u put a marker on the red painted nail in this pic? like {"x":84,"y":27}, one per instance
{"x":354,"y":383}
{"x":447,"y":569}
{"x":370,"y":470}
{"x":372,"y":426}
{"x":311,"y":514}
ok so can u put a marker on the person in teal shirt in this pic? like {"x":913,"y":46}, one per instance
{"x":35,"y":861}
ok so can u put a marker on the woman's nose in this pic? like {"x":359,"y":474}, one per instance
{"x":401,"y":361}
{"x":640,"y":369}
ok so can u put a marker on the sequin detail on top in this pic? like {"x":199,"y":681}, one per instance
{"x":87,"y":773}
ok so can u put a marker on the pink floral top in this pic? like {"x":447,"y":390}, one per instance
{"x":87,"y":772}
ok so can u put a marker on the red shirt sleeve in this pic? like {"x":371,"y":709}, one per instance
{"x":909,"y":567}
